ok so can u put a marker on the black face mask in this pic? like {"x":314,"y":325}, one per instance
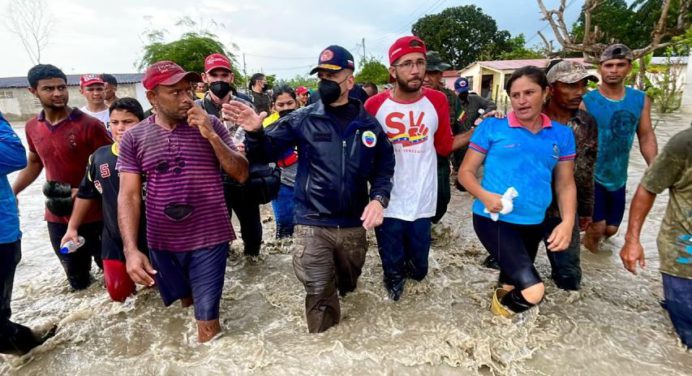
{"x":330,"y":91}
{"x":283,"y":113}
{"x":220,"y":88}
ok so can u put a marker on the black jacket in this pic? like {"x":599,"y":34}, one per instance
{"x":334,"y":169}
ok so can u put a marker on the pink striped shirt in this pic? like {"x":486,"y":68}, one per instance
{"x":183,"y":173}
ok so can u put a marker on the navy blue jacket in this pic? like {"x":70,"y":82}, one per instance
{"x":334,"y":169}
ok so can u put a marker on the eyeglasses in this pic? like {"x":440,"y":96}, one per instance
{"x":408,"y":64}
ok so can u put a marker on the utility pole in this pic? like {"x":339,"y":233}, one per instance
{"x":244,"y":67}
{"x":363,"y":40}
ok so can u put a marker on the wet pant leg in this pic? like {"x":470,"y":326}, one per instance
{"x":514,"y":247}
{"x":390,"y":244}
{"x":349,"y":257}
{"x":678,"y":295}
{"x":565,"y":265}
{"x":248,"y":214}
{"x":314,"y":266}
{"x":444,"y":190}
{"x":284,"y":212}
{"x":417,"y":240}
{"x":77,"y":265}
{"x":14,"y":338}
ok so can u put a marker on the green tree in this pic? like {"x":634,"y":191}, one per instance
{"x":188,"y":51}
{"x":462,"y":34}
{"x":518,"y":50}
{"x":372,"y":70}
{"x":307,"y":81}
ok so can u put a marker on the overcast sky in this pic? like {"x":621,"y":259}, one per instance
{"x":277,"y":37}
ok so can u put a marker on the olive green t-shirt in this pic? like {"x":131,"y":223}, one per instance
{"x":672,"y":170}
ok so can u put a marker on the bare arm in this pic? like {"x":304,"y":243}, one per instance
{"x":79,"y":212}
{"x":647,"y":138}
{"x":632,"y":251}
{"x":462,"y":139}
{"x":566,"y":192}
{"x":129,"y":212}
{"x":29,"y":174}
{"x":467,"y":177}
{"x":129,"y":209}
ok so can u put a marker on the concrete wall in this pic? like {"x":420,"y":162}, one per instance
{"x":687,"y":89}
{"x":18,"y":104}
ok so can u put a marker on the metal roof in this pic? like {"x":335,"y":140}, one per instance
{"x":662,"y":60}
{"x":516,"y":64}
{"x":72,"y":80}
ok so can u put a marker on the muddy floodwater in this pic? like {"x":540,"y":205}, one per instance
{"x":441,"y":326}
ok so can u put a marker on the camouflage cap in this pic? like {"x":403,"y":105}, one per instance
{"x":616,"y":51}
{"x":569,"y":72}
{"x":434,"y":62}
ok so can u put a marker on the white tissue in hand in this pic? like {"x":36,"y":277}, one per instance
{"x":507,"y":203}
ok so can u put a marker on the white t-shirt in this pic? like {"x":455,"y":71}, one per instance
{"x":418,"y":131}
{"x":103,"y":116}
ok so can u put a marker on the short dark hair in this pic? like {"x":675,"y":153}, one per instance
{"x":109,"y":78}
{"x":44,"y":72}
{"x":370,"y":85}
{"x":128,"y":104}
{"x":534,"y":74}
{"x":255,"y":77}
{"x":283,"y":89}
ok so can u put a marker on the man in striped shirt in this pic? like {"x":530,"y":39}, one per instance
{"x":180,"y":151}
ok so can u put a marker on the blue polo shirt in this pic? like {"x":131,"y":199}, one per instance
{"x":516,"y":157}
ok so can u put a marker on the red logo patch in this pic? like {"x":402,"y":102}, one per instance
{"x":105,"y":171}
{"x":326,"y":55}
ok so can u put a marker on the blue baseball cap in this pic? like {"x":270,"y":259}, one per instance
{"x":461,"y":85}
{"x":334,"y":58}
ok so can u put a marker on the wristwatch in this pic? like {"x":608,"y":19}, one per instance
{"x":384,"y":201}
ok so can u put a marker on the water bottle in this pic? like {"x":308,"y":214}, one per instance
{"x":71,"y":246}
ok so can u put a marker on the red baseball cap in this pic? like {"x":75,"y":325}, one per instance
{"x":406,"y":45}
{"x":166,"y":73}
{"x":90,"y":79}
{"x":217,"y":60}
{"x":300,"y":90}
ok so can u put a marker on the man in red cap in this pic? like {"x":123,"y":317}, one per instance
{"x":416,"y":120}
{"x":180,"y":150}
{"x":303,"y":95}
{"x":92,"y":88}
{"x":218,"y":76}
{"x":60,"y":139}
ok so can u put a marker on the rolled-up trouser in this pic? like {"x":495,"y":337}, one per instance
{"x":248,"y":213}
{"x":14,"y":338}
{"x":77,"y":265}
{"x":565,"y":265}
{"x":444,"y":190}
{"x":678,"y":294}
{"x":327,"y":260}
{"x":514,"y":247}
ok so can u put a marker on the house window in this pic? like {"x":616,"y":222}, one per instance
{"x":6,"y":94}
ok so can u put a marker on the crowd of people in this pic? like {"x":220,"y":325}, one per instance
{"x":150,"y":194}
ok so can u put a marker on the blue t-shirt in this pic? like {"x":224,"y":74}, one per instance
{"x":13,"y":159}
{"x":515,"y":157}
{"x":617,"y":121}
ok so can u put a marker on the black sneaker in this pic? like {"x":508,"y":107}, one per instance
{"x":491,"y":262}
{"x":396,"y":289}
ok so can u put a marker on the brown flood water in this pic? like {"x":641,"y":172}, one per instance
{"x":442,"y":325}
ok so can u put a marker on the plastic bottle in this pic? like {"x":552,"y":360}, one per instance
{"x":71,"y":246}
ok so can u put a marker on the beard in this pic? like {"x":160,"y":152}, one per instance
{"x":410,"y":86}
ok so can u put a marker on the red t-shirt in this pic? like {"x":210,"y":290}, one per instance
{"x":64,"y":149}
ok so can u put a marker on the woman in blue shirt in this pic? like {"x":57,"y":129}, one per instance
{"x":522,"y":151}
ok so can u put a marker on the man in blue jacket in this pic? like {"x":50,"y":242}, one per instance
{"x":341,"y":148}
{"x":14,"y":338}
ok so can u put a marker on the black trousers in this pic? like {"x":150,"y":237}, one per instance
{"x":14,"y":338}
{"x":248,"y":214}
{"x":77,"y":265}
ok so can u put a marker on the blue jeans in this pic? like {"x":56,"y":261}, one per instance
{"x":404,"y":247}
{"x":284,"y":212}
{"x":678,"y":295}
